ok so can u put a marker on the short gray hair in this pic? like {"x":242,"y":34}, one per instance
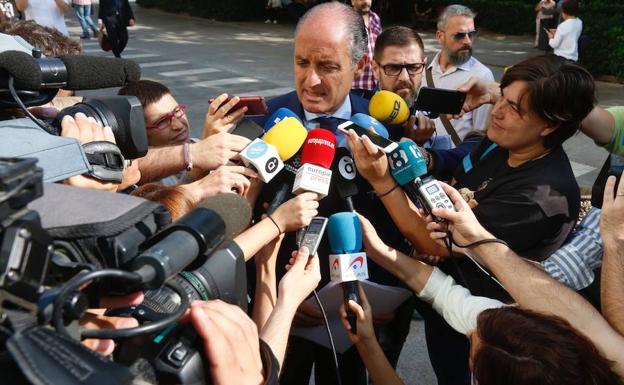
{"x":454,"y":10}
{"x":354,"y":24}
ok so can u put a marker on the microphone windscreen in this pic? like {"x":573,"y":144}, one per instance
{"x":343,"y":174}
{"x":345,"y":233}
{"x":319,"y":148}
{"x":24,"y":69}
{"x":278,"y":116}
{"x":388,"y":107}
{"x":367,"y":121}
{"x":287,"y":136}
{"x":407,"y":163}
{"x":92,"y":72}
{"x":233,"y":209}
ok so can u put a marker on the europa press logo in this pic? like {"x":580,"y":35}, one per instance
{"x":256,"y":150}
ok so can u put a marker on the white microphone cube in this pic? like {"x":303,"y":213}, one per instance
{"x":264,"y":158}
{"x":312,"y":178}
{"x":348,"y":267}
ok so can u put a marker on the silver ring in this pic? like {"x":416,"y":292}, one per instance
{"x":619,"y":195}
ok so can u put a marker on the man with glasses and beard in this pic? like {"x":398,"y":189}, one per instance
{"x":454,"y":65}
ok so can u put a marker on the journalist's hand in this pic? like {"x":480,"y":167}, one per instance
{"x":225,"y":179}
{"x":219,"y":119}
{"x":296,"y":212}
{"x":87,"y":130}
{"x":462,"y":223}
{"x":95,"y":319}
{"x":302,"y":276}
{"x":612,"y":215}
{"x":373,"y":245}
{"x":421,"y":133}
{"x":231,"y":343}
{"x":217,"y":150}
{"x":364,"y":320}
{"x":478,"y":92}
{"x":370,"y":161}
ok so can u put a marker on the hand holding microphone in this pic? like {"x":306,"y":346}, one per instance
{"x":371,"y":162}
{"x":216,"y":150}
{"x":296,"y":212}
{"x":363,"y":312}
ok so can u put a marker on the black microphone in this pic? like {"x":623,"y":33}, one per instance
{"x":286,"y":179}
{"x":200,"y":232}
{"x":71,"y":72}
{"x":343,"y":176}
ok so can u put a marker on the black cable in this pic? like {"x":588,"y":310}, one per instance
{"x":476,"y":243}
{"x":146,"y":328}
{"x":82,"y":279}
{"x":480,"y":242}
{"x":19,"y":102}
{"x":331,"y":339}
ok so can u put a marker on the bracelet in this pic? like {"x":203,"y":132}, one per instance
{"x":427,"y":155}
{"x":388,"y":192}
{"x":276,"y":225}
{"x":187,"y":157}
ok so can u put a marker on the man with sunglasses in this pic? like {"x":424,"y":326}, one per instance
{"x":454,"y":64}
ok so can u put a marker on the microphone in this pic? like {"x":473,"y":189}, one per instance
{"x":367,"y":121}
{"x":280,"y":143}
{"x":388,"y":107}
{"x":71,"y":72}
{"x":200,"y":232}
{"x":279,"y":115}
{"x":407,"y":165}
{"x":347,"y":265}
{"x":343,"y":176}
{"x":317,"y":156}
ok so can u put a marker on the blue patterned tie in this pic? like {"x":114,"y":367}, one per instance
{"x":329,"y":122}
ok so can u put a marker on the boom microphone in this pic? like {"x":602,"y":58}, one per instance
{"x":347,"y":265}
{"x":197,"y":233}
{"x":388,"y":107}
{"x":71,"y":72}
{"x":317,"y":156}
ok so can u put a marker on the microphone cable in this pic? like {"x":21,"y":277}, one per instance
{"x":329,"y":334}
{"x":19,"y":102}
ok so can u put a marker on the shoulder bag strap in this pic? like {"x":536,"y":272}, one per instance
{"x":445,"y":122}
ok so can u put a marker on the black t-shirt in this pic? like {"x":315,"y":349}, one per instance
{"x":532,"y":207}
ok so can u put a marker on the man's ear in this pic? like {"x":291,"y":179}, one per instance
{"x":439,"y":36}
{"x":376,"y":71}
{"x":360,"y":67}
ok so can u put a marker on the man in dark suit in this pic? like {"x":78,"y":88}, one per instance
{"x":116,"y":16}
{"x":330,"y":41}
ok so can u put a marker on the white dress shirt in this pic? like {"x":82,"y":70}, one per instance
{"x":565,"y":41}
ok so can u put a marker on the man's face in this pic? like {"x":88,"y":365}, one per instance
{"x":454,"y":41}
{"x":513,"y":126}
{"x":323,"y":69}
{"x":166,"y":122}
{"x":362,"y":6}
{"x":403,"y":84}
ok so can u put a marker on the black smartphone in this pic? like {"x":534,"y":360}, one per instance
{"x":384,"y":144}
{"x":439,"y":100}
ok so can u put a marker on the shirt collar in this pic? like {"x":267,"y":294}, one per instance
{"x":343,"y":112}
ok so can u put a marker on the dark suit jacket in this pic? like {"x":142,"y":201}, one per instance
{"x":107,"y":8}
{"x":366,"y":203}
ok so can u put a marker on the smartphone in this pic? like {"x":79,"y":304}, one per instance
{"x":313,"y":233}
{"x":256,"y":105}
{"x":440,"y":100}
{"x":384,"y":144}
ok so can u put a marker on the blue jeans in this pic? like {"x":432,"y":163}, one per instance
{"x":83,"y":13}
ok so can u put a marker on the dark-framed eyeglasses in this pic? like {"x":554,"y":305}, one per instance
{"x":459,"y":36}
{"x":165,"y":120}
{"x":395,"y":69}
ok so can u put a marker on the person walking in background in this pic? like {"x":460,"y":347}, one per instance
{"x":365,"y":79}
{"x":49,"y":13}
{"x":117,"y":16}
{"x":564,"y":39}
{"x":541,"y":15}
{"x":83,"y":13}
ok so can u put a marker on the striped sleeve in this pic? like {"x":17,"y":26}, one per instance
{"x":574,"y":263}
